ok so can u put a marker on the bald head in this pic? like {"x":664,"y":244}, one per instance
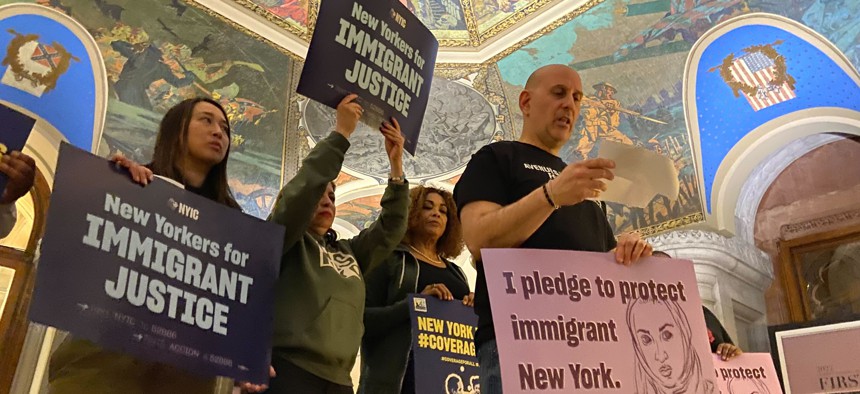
{"x":551,"y":71}
{"x":550,"y":104}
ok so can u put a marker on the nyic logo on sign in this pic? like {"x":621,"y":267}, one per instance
{"x":398,"y":19}
{"x":420,"y":304}
{"x":183,"y":209}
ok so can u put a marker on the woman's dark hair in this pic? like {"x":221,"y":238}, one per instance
{"x":171,"y":146}
{"x":330,"y":236}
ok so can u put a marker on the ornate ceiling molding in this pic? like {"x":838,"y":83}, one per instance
{"x":818,"y":225}
{"x":500,"y":40}
{"x":255,"y":25}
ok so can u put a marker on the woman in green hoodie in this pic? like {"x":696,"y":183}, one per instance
{"x":320,"y":292}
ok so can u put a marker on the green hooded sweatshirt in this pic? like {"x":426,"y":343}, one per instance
{"x":319,"y":304}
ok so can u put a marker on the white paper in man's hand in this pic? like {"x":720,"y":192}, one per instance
{"x":640,"y":175}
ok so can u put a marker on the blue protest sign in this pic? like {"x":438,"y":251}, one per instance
{"x":158,"y":272}
{"x":377,"y":49}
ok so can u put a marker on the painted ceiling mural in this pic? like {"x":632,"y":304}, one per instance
{"x":293,"y":15}
{"x":158,"y":52}
{"x":630,"y":53}
{"x":459,"y":120}
{"x":631,"y":56}
{"x":455,"y":23}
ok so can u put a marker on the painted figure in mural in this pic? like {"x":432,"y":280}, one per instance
{"x":158,"y":75}
{"x":20,"y":172}
{"x":296,"y":10}
{"x":666,"y":361}
{"x":438,"y":14}
{"x":114,"y":61}
{"x":421,"y":263}
{"x":200,"y":165}
{"x":182,"y":58}
{"x":144,"y":66}
{"x":179,"y":58}
{"x":457,"y":122}
{"x":688,"y":19}
{"x":241,"y":112}
{"x":522,"y":194}
{"x":486,"y":8}
{"x":601,"y":118}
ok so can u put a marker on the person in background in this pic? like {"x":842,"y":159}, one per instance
{"x":420,"y":263}
{"x":20,"y":171}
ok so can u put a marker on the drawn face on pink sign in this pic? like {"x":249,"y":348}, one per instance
{"x":747,"y":386}
{"x":666,"y":361}
{"x":659,"y":341}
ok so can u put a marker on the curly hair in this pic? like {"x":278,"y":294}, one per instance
{"x":450,"y":244}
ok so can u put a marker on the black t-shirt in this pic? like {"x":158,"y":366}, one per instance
{"x":505,"y":172}
{"x":431,"y":274}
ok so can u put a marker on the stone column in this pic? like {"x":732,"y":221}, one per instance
{"x":732,"y":275}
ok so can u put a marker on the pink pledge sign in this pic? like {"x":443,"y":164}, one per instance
{"x":573,"y":322}
{"x":749,"y":373}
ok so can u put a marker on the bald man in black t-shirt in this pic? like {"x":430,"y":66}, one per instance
{"x":521,"y":194}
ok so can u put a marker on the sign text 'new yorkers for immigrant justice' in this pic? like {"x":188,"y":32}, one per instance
{"x":383,"y":54}
{"x":157,"y":271}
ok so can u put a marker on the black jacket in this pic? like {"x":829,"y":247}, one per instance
{"x":387,"y":329}
{"x":717,"y":330}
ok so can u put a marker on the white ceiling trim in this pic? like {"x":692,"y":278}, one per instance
{"x":277,"y":35}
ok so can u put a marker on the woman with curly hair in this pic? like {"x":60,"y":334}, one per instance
{"x":420,"y":264}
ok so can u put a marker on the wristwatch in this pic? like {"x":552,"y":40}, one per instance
{"x":397,"y":179}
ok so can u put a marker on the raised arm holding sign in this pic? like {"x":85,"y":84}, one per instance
{"x":321,"y":289}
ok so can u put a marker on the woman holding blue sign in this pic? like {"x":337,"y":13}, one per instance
{"x":320,"y":292}
{"x":191,"y":148}
{"x":421,"y":262}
